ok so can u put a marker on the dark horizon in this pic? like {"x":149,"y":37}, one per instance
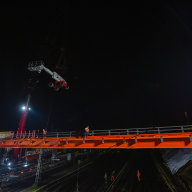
{"x":127,"y":65}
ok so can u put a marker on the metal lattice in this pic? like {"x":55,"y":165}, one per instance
{"x":38,"y":173}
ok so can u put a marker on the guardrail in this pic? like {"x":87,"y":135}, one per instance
{"x":134,"y":131}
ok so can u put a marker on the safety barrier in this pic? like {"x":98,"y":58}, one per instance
{"x":134,"y":131}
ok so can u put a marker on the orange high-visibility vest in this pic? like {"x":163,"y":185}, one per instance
{"x":112,"y":178}
{"x":138,"y":175}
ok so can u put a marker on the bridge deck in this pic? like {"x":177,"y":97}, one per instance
{"x":129,"y":141}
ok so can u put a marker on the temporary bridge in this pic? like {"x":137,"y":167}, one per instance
{"x":135,"y":138}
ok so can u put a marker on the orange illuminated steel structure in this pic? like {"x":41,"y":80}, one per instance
{"x":154,"y":137}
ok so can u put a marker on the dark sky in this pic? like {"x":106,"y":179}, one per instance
{"x":128,"y":65}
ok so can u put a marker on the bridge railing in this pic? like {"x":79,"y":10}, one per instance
{"x":148,"y":130}
{"x":137,"y":131}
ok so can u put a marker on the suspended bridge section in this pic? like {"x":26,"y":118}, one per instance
{"x":135,"y":138}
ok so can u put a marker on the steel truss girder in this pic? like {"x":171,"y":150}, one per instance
{"x":161,"y":140}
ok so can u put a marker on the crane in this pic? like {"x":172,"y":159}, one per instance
{"x":59,"y":83}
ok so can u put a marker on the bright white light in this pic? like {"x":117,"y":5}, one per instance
{"x":23,"y":108}
{"x":9,"y":164}
{"x":26,"y":165}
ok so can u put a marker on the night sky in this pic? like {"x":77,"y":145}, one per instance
{"x":128,"y":65}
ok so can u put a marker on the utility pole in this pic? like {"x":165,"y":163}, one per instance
{"x":77,"y":189}
{"x":21,"y":129}
{"x":38,"y":173}
{"x":53,"y":156}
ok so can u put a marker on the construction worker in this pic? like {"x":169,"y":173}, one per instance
{"x":138,"y":175}
{"x":44,"y":133}
{"x":105,"y":177}
{"x":112,"y":176}
{"x":86,"y":131}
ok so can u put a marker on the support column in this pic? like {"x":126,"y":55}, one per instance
{"x":38,"y":173}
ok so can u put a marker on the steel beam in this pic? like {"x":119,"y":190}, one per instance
{"x":162,"y":140}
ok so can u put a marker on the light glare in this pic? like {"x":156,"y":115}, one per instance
{"x":23,"y":108}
